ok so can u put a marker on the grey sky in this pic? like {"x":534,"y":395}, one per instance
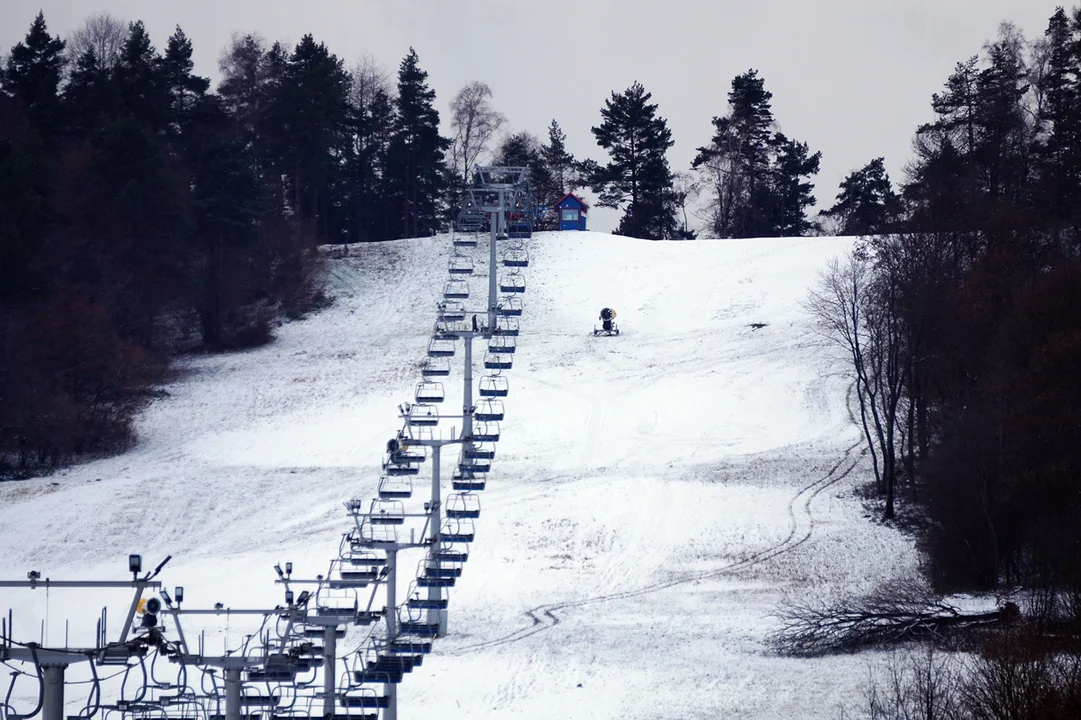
{"x":853,"y":78}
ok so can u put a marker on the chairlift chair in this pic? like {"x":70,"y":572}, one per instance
{"x":498,"y":361}
{"x":506,"y":326}
{"x":435,"y":367}
{"x":451,"y":310}
{"x":502,"y":344}
{"x":509,"y":306}
{"x":456,"y":290}
{"x":483,"y":451}
{"x":429,"y":391}
{"x":466,"y":241}
{"x":386,"y":512}
{"x":451,"y":329}
{"x":512,"y":282}
{"x":439,"y":346}
{"x":422,"y":414}
{"x":488,"y":411}
{"x":460,"y":265}
{"x":494,"y":386}
{"x":470,"y":465}
{"x":486,"y":432}
{"x":466,"y":482}
{"x":395,"y":488}
{"x":457,"y":530}
{"x":463,"y":505}
{"x":515,"y":258}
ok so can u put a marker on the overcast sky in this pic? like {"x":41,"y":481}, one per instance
{"x":853,"y":78}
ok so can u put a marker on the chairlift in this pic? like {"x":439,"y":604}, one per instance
{"x":509,"y":306}
{"x":429,"y":391}
{"x":391,"y":467}
{"x":502,"y":344}
{"x":466,"y":241}
{"x":372,"y":535}
{"x":456,"y":290}
{"x":457,"y":530}
{"x":395,"y":488}
{"x":451,"y":310}
{"x":488,"y":411}
{"x":516,"y":257}
{"x":451,"y":329}
{"x":460,"y":265}
{"x":439,"y":346}
{"x":519,"y":229}
{"x":386,"y":512}
{"x":363,"y":558}
{"x":494,"y":386}
{"x":422,"y":415}
{"x":435,"y":367}
{"x":506,"y":326}
{"x":469,"y":465}
{"x":463,"y":505}
{"x":498,"y":361}
{"x":486,"y":432}
{"x":466,"y":482}
{"x":360,"y":697}
{"x":482,"y":451}
{"x":512,"y":282}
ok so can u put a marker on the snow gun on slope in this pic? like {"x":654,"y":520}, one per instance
{"x":608,"y":323}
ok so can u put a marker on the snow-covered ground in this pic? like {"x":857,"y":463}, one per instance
{"x":654,"y":497}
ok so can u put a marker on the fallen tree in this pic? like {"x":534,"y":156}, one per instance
{"x":896,"y":612}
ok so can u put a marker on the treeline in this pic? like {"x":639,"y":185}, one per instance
{"x":142,"y":215}
{"x":963,"y":323}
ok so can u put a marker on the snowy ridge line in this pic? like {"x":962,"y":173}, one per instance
{"x":543,"y":617}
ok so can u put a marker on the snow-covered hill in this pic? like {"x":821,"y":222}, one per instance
{"x":654,"y":496}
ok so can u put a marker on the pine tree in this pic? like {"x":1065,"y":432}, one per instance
{"x":313,"y":110}
{"x":1060,"y":115}
{"x":866,"y":204}
{"x":1003,"y":130}
{"x":758,"y":179}
{"x":139,"y":81}
{"x":637,"y":175}
{"x":33,"y":72}
{"x":789,"y":189}
{"x":89,"y":94}
{"x":416,"y":175}
{"x":956,"y":107}
{"x":560,"y":163}
{"x":736,"y":162}
{"x":184,"y":88}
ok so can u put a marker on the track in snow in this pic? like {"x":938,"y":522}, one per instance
{"x":543,"y":617}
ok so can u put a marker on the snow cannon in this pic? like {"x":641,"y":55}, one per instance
{"x":608,"y":323}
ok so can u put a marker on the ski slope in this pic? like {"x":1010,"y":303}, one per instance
{"x":654,"y":496}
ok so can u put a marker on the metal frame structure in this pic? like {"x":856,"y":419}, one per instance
{"x":290,"y":669}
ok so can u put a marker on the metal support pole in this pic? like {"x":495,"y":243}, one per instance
{"x":392,"y":590}
{"x":232,"y":693}
{"x":493,"y":267}
{"x":391,"y":690}
{"x":391,"y":713}
{"x":467,"y":393}
{"x":439,"y":616}
{"x":330,"y":675}
{"x":53,"y":702}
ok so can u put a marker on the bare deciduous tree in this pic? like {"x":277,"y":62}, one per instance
{"x":856,"y":304}
{"x":474,"y":122}
{"x":368,"y":78}
{"x":102,"y":33}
